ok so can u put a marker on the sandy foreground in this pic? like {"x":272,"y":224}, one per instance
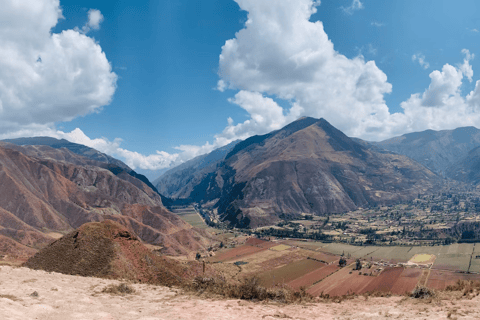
{"x":63,"y":297}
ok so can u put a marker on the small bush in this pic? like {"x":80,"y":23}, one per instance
{"x":421,"y":292}
{"x":120,"y":289}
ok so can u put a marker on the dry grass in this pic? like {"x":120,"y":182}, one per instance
{"x":121,"y":289}
{"x":10,"y":296}
{"x":248,"y":289}
{"x":469,"y":289}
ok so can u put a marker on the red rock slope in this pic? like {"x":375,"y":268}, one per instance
{"x":45,"y":194}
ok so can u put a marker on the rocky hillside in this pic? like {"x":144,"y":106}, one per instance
{"x":48,"y":192}
{"x":36,"y":146}
{"x":466,"y":169}
{"x":307,"y":167}
{"x":437,"y":150}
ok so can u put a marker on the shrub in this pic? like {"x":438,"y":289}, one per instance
{"x":120,"y":289}
{"x":421,"y":292}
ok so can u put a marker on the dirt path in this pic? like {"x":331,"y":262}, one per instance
{"x":70,"y":297}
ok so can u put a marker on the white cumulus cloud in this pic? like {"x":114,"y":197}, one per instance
{"x":95,"y":18}
{"x":281,"y":53}
{"x":47,"y":77}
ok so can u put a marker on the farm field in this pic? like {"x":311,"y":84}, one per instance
{"x":312,"y":277}
{"x":309,"y":245}
{"x":235,"y":253}
{"x":397,"y":280}
{"x":391,"y":254}
{"x":315,"y":265}
{"x":288,"y":272}
{"x":440,"y":279}
{"x":422,"y":259}
{"x":191,"y":216}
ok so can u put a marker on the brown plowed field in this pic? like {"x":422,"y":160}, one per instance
{"x":395,"y":280}
{"x":314,"y":276}
{"x":259,"y":243}
{"x":385,"y":281}
{"x":440,"y":279}
{"x":283,"y":259}
{"x":337,"y":280}
{"x":408,"y":280}
{"x":288,"y":272}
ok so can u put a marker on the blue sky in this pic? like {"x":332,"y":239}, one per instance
{"x":166,"y":59}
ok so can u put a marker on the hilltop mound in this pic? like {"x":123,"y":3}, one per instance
{"x":107,"y":250}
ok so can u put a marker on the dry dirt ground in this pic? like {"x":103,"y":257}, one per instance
{"x":61,"y":297}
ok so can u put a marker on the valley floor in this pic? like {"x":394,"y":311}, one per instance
{"x":62,"y":297}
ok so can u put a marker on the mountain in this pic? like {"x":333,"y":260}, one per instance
{"x":47,"y":192}
{"x":73,"y":147}
{"x":179,"y":181}
{"x":103,"y":160}
{"x":466,"y":169}
{"x":437,"y":150}
{"x":306,"y":167}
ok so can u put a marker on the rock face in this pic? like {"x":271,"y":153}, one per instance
{"x":437,"y":150}
{"x":307,"y":167}
{"x":47,"y":192}
{"x":107,"y":250}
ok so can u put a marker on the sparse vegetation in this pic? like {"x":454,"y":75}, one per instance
{"x":119,"y":289}
{"x":248,"y":289}
{"x":421,"y":292}
{"x":9,"y":296}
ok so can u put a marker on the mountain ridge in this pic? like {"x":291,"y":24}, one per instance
{"x":437,"y":150}
{"x":52,"y":191}
{"x":308,"y":166}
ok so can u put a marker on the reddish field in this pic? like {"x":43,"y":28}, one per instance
{"x":316,"y":275}
{"x":337,"y":280}
{"x":289,"y":272}
{"x":236,"y":253}
{"x":441,"y":279}
{"x":408,"y":281}
{"x":385,"y":281}
{"x":260,"y":243}
{"x":284,"y":259}
{"x":395,"y":280}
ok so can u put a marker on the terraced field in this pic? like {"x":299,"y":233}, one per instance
{"x":315,"y":266}
{"x":289,"y":272}
{"x":191,"y":216}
